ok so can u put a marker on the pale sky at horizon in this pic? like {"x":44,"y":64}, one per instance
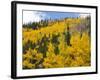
{"x":36,"y":16}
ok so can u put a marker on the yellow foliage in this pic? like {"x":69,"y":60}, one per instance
{"x":31,"y":55}
{"x":54,"y":61}
{"x":78,"y":54}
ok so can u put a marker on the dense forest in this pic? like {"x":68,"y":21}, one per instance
{"x":57,"y":43}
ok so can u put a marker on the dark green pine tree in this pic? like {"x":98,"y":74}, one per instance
{"x":68,"y":36}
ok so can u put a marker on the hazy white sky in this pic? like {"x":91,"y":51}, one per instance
{"x":32,"y":16}
{"x":84,"y":15}
{"x":36,"y":16}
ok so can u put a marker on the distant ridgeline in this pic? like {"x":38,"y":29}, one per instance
{"x":79,"y":24}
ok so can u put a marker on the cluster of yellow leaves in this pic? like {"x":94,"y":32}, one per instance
{"x":80,"y":50}
{"x":31,"y":58}
{"x":58,"y":27}
{"x":70,"y":56}
{"x":78,"y":54}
